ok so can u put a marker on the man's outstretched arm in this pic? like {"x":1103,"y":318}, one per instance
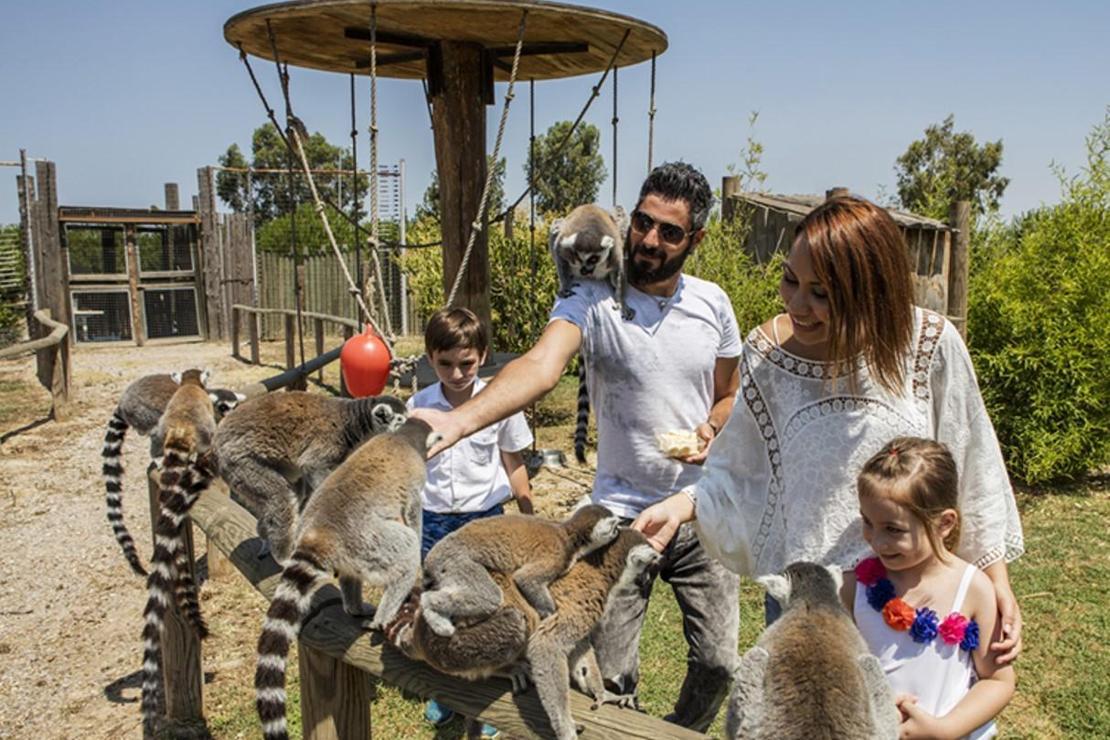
{"x":520,"y":383}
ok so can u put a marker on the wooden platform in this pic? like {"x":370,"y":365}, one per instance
{"x":333,"y":35}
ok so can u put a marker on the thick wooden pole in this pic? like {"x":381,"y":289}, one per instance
{"x":959,"y":218}
{"x":730,"y":186}
{"x":138,"y":325}
{"x":335,"y":697}
{"x":181,"y":666}
{"x":459,"y":126}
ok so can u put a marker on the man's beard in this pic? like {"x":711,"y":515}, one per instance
{"x":638,"y":274}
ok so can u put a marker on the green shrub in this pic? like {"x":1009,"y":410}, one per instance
{"x":520,"y":298}
{"x":752,"y":287}
{"x":1038,"y":327}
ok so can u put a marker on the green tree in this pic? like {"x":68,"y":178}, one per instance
{"x":571,"y":176}
{"x":946,"y":166}
{"x":1037,"y":327}
{"x":274,"y":235}
{"x":428,"y":208}
{"x":269,"y":192}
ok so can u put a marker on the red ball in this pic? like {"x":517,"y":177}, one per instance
{"x":364,"y":361}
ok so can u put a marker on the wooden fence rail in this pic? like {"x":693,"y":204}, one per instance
{"x":252,"y":320}
{"x":52,"y":357}
{"x":337,"y":658}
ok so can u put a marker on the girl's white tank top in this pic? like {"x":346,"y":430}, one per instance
{"x":937,"y":673}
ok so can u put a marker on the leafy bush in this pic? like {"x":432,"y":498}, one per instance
{"x":520,"y":299}
{"x":752,"y":287}
{"x":1038,"y":329}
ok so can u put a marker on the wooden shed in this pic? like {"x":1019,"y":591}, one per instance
{"x":773,"y":218}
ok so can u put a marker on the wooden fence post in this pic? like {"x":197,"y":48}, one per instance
{"x":318,"y":331}
{"x":730,"y":186}
{"x":252,"y":329}
{"x":959,"y":218}
{"x":335,"y":697}
{"x":290,"y":341}
{"x":348,"y":332}
{"x":235,"y":333}
{"x":181,"y":667}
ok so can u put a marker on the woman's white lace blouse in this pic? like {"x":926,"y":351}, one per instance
{"x":780,"y":482}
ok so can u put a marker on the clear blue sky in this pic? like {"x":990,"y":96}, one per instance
{"x":127,"y":95}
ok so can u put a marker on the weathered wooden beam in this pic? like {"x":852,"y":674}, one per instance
{"x":334,"y":633}
{"x":138,"y":325}
{"x":57,"y":333}
{"x":959,"y":217}
{"x":335,"y":697}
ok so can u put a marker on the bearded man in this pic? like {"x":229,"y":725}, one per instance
{"x":672,"y":367}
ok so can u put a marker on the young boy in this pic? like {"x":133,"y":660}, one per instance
{"x":474,"y":478}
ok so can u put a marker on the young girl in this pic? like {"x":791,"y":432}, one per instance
{"x":926,"y":614}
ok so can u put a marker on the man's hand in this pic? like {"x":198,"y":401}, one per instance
{"x":444,"y":422}
{"x":660,"y":521}
{"x":706,"y":435}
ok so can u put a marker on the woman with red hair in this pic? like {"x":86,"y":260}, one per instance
{"x":850,"y":365}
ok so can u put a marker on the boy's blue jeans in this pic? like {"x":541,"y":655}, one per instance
{"x":435,"y":525}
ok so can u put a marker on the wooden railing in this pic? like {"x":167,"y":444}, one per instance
{"x":296,"y":375}
{"x":52,"y":358}
{"x":337,"y":659}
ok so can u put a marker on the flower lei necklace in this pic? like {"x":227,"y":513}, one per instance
{"x":922,"y":624}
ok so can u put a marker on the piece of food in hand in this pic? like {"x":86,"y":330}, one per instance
{"x":680,"y":443}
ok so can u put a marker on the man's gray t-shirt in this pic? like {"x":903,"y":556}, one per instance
{"x":646,"y":376}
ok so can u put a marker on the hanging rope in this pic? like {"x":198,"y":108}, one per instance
{"x":478,"y":224}
{"x":355,"y":203}
{"x":374,"y":194}
{"x":651,"y":112}
{"x":616,"y":120}
{"x":566,"y":138}
{"x":293,"y":123}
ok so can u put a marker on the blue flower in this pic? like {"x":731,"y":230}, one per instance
{"x":924,"y":627}
{"x":971,"y":636}
{"x":880,"y":593}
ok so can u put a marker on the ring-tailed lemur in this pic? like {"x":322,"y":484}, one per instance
{"x":139,"y":408}
{"x":363,"y":523}
{"x":589,"y":243}
{"x":557,"y":648}
{"x":534,"y":551}
{"x":277,"y":448}
{"x":169,"y":571}
{"x":810,"y":673}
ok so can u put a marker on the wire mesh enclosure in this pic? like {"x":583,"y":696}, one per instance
{"x":165,"y":249}
{"x":101,"y":315}
{"x":96,"y":250}
{"x":170,"y":311}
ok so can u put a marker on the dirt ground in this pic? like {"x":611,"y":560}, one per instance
{"x":70,"y":608}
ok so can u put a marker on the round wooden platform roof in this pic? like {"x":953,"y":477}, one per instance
{"x":334,"y":35}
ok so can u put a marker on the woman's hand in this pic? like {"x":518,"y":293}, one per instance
{"x":660,"y":521}
{"x":1009,"y":647}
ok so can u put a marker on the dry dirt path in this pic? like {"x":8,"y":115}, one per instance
{"x":70,"y":608}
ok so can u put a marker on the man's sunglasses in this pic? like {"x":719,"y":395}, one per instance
{"x":670,"y":233}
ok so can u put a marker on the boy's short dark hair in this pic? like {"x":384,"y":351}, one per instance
{"x":681,"y":181}
{"x":455,"y":328}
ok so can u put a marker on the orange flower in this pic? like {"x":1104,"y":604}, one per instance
{"x":898,"y":614}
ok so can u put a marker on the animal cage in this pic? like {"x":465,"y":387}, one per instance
{"x":170,"y":311}
{"x":101,"y":314}
{"x":96,"y":250}
{"x":165,"y":250}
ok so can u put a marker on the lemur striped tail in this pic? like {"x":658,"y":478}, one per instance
{"x":581,"y":429}
{"x":113,"y":482}
{"x":167,"y":572}
{"x":299,"y":581}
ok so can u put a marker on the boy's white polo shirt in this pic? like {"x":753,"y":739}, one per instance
{"x":469,"y":476}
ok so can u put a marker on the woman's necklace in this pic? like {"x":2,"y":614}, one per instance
{"x":922,"y":624}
